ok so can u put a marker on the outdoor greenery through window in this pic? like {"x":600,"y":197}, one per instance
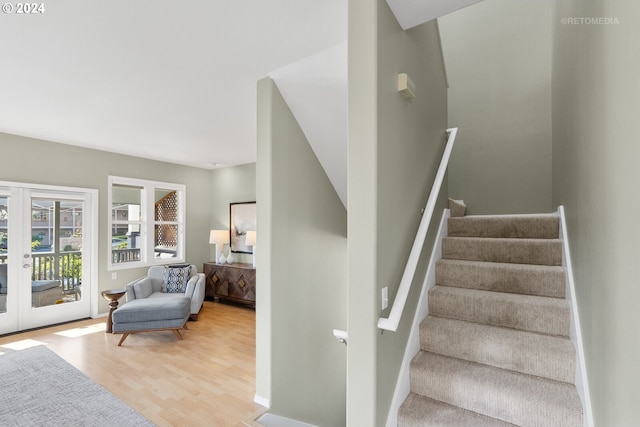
{"x":146,"y":222}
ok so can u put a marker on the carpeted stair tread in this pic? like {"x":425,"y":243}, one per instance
{"x":531,"y":353}
{"x":509,"y":396}
{"x":542,"y":280}
{"x":525,"y":312}
{"x":518,"y":251}
{"x":419,"y":411}
{"x":543,"y":226}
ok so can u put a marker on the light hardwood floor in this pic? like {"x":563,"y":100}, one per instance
{"x":207,"y":379}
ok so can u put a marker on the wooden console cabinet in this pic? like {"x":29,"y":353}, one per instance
{"x":235,"y":282}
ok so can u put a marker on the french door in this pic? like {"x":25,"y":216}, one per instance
{"x":45,"y":252}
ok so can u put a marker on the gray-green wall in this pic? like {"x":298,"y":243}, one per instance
{"x":42,"y":162}
{"x":302,"y":269}
{"x":596,"y":150}
{"x":231,"y":185}
{"x":395,"y":146}
{"x":498,"y":56}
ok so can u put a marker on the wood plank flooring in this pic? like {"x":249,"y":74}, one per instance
{"x":207,"y":379}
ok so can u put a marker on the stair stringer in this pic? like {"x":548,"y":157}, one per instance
{"x":581,"y":383}
{"x":403,"y":385}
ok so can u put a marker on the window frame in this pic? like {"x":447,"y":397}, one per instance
{"x":147,"y":222}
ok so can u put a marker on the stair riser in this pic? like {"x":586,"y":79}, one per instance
{"x":519,"y":227}
{"x":514,"y":278}
{"x":508,"y":396}
{"x":519,"y":251}
{"x":528,"y":353}
{"x":550,"y":316}
{"x":418,"y":411}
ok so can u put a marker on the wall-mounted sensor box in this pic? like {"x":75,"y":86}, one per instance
{"x":406,"y":87}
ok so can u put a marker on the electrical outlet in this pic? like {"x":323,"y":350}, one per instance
{"x":385,"y":297}
{"x":114,"y":276}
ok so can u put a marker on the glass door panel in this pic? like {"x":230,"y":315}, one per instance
{"x":4,"y":240}
{"x":9,"y":260}
{"x":56,"y":251}
{"x":56,"y":239}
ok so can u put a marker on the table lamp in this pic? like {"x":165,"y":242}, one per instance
{"x":219,"y":238}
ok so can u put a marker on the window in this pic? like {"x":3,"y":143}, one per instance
{"x":146,"y":222}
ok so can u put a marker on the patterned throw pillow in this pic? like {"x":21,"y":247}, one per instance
{"x":176,"y":278}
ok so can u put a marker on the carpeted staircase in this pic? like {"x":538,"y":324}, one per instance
{"x":495,"y":348}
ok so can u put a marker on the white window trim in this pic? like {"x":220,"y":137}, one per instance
{"x":147,"y":222}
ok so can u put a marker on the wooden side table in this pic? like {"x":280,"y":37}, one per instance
{"x":112,"y":295}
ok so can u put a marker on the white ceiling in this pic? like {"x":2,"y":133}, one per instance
{"x":176,"y":81}
{"x":172,"y":81}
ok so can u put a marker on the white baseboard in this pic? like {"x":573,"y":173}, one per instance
{"x":262,"y":401}
{"x":582,"y":385}
{"x":271,"y":420}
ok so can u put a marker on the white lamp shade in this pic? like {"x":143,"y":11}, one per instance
{"x":251,"y":238}
{"x":218,"y":237}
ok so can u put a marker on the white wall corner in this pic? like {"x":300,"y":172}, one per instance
{"x":444,"y":64}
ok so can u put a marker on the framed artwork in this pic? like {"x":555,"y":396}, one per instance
{"x":242,"y":218}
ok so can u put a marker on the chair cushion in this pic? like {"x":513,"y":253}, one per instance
{"x":152,"y":309}
{"x":143,"y":288}
{"x":43,"y":285}
{"x":176,"y":278}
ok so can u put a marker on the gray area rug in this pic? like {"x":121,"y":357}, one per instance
{"x":38,"y":388}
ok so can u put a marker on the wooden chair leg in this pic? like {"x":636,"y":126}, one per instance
{"x":177,"y":332}
{"x":185,"y":326}
{"x":124,"y":337}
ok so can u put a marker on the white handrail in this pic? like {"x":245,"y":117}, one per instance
{"x":391,"y":323}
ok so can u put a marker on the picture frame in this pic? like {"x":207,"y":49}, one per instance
{"x":242,"y":217}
